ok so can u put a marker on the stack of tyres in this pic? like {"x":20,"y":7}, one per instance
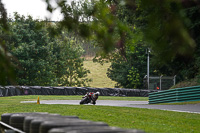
{"x":6,"y":117}
{"x":46,"y":126}
{"x":93,"y":129}
{"x":36,"y":123}
{"x":28,"y":119}
{"x":55,"y":123}
{"x":22,"y":121}
{"x":75,"y":129}
{"x":17,"y":119}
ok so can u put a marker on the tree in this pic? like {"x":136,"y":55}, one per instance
{"x":43,"y":59}
{"x":30,"y":44}
{"x":129,"y":72}
{"x":6,"y":68}
{"x":186,"y":67}
{"x":171,"y":53}
{"x":69,"y":64}
{"x":164,"y":23}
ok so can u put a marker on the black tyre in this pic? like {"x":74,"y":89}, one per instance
{"x":28,"y":119}
{"x":36,"y":123}
{"x":48,"y":125}
{"x":6,"y":117}
{"x":75,"y":128}
{"x":93,"y":129}
{"x":17,"y":120}
{"x":84,"y":101}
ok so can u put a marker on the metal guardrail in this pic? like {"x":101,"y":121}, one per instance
{"x":175,"y":95}
{"x":5,"y":128}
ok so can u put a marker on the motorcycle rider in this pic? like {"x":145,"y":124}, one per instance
{"x":93,"y":96}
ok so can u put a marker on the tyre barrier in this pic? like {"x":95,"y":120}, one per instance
{"x":54,"y":123}
{"x":6,"y":117}
{"x":36,"y":123}
{"x":47,"y":125}
{"x":17,"y":120}
{"x":28,"y":119}
{"x":94,"y":129}
{"x":44,"y":90}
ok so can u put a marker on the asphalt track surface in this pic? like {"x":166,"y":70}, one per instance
{"x":189,"y":108}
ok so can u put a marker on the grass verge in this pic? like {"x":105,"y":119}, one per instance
{"x":78,"y":97}
{"x":181,"y":103}
{"x":98,"y":74}
{"x":148,"y":120}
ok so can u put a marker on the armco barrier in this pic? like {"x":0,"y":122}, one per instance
{"x":44,"y":90}
{"x":175,"y":95}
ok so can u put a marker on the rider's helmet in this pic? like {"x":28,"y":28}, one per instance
{"x":97,"y":93}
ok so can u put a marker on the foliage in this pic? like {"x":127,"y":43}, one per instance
{"x":6,"y":68}
{"x":130,"y":69}
{"x":186,"y":67}
{"x":93,"y":19}
{"x":166,"y":30}
{"x":43,"y":59}
{"x":169,"y":28}
{"x":134,"y":77}
{"x":90,"y":50}
{"x":69,"y":64}
{"x":163,"y":23}
{"x":186,"y":83}
{"x":129,"y":72}
{"x":31,"y":47}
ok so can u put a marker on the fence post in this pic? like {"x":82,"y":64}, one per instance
{"x":160,"y":82}
{"x":174,"y":79}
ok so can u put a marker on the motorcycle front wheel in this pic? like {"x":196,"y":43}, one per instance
{"x":84,"y":101}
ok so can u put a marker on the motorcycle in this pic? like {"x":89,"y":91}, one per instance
{"x":90,"y":98}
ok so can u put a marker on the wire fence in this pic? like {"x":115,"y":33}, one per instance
{"x":160,"y":82}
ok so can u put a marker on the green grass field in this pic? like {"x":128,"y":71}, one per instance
{"x":98,"y":74}
{"x":50,"y":97}
{"x":149,"y":120}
